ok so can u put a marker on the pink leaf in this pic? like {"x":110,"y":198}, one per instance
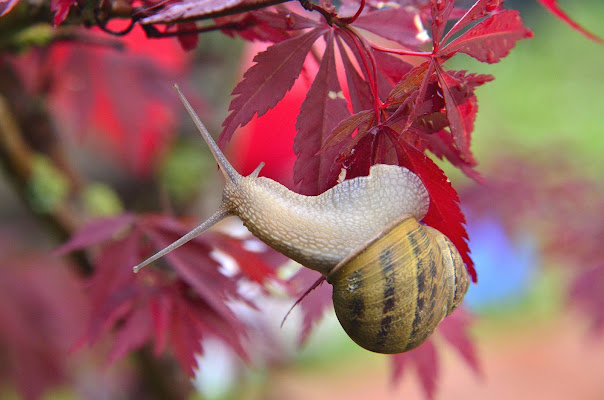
{"x":401,"y":24}
{"x":358,"y":88}
{"x":314,"y":303}
{"x":95,"y":232}
{"x":43,"y":310}
{"x":132,"y":335}
{"x":425,"y":362}
{"x":491,"y":39}
{"x":454,"y":329}
{"x":60,"y":8}
{"x":160,"y":308}
{"x":321,"y":111}
{"x":587,"y":292}
{"x":266,"y":82}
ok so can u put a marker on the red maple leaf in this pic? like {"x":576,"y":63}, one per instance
{"x":267,"y":81}
{"x":552,"y":6}
{"x":60,"y":8}
{"x":314,"y":299}
{"x":171,"y":307}
{"x":424,"y":358}
{"x":323,"y":106}
{"x":128,"y":102}
{"x":42,"y":312}
{"x":587,"y":292}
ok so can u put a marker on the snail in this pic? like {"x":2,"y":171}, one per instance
{"x":393,"y":278}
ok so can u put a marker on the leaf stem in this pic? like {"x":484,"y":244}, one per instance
{"x":350,"y":20}
{"x":402,"y":52}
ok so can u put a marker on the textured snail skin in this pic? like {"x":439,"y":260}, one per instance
{"x":392,"y":293}
{"x":319,"y":231}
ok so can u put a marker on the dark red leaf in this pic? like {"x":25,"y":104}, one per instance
{"x":400,"y":24}
{"x":265,"y":83}
{"x":346,"y":128}
{"x":392,"y":68}
{"x":176,"y":307}
{"x":188,"y":41}
{"x":491,"y":39}
{"x":160,"y":308}
{"x":185,"y":340}
{"x":441,"y":10}
{"x":200,"y":9}
{"x":411,"y":82}
{"x":253,"y":264}
{"x":441,"y":145}
{"x":321,"y":111}
{"x":552,"y":6}
{"x":480,"y":9}
{"x":95,"y":232}
{"x":461,"y":111}
{"x":425,"y":362}
{"x":251,"y":27}
{"x":315,"y":303}
{"x":285,"y":19}
{"x":359,"y":90}
{"x":133,"y":334}
{"x":60,"y":8}
{"x":193,"y":264}
{"x":112,"y":287}
{"x":444,"y":213}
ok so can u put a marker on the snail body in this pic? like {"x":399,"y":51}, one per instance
{"x":319,"y":231}
{"x":378,"y":295}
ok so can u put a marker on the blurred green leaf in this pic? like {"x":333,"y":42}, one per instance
{"x":100,"y":200}
{"x":185,"y":171}
{"x":47,"y":187}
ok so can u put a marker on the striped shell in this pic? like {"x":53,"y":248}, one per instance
{"x":420,"y":279}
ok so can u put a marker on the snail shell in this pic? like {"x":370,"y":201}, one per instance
{"x":392,"y":292}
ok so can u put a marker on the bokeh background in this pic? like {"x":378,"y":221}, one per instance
{"x":534,"y":229}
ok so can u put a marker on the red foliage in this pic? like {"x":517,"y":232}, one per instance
{"x":170,"y":308}
{"x":42,"y":310}
{"x":128,"y":99}
{"x":552,"y":6}
{"x":362,"y":104}
{"x":60,"y":8}
{"x":559,"y":205}
{"x":587,"y":293}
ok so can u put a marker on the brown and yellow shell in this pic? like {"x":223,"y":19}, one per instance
{"x":392,"y":293}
